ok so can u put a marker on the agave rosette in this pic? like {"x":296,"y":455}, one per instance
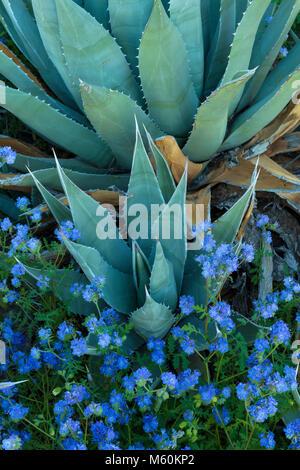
{"x":143,"y":277}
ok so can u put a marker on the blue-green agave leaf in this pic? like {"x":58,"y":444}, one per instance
{"x":204,"y":5}
{"x":27,"y":31}
{"x":141,"y":272}
{"x":212,"y":331}
{"x":209,"y":22}
{"x":91,"y":53}
{"x":54,"y":126}
{"x":162,"y":282}
{"x":63,"y":280}
{"x":87,"y":215}
{"x":43,"y":163}
{"x":269,"y":13}
{"x":210,"y":124}
{"x":292,"y":415}
{"x":47,"y":22}
{"x":10,"y":28}
{"x":280,"y":73}
{"x":99,"y":10}
{"x":174,"y":243}
{"x":194,"y":283}
{"x":12,"y":72}
{"x":162,"y":169}
{"x":255,"y":118}
{"x":4,"y":385}
{"x":267,"y":49}
{"x":84,"y":181}
{"x":225,"y":229}
{"x":113,"y":116}
{"x":166,"y":4}
{"x":24,"y":31}
{"x":165,"y":76}
{"x":59,"y":210}
{"x":241,"y":6}
{"x":153,"y":319}
{"x":242,"y":46}
{"x":218,"y":55}
{"x":118,"y":289}
{"x":8,"y":206}
{"x":143,"y":190}
{"x":187,"y":18}
{"x":210,"y":12}
{"x":128,"y":19}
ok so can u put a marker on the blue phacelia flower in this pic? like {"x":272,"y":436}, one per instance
{"x":267,"y":440}
{"x":280,"y":333}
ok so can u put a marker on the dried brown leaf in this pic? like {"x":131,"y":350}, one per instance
{"x":177,"y":160}
{"x":22,"y":148}
{"x":101,"y":196}
{"x":272,"y":177}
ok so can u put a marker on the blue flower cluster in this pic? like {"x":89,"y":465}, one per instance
{"x":20,"y":239}
{"x":187,"y":344}
{"x":91,"y":292}
{"x":292,"y":432}
{"x":221,"y":313}
{"x":156,"y":346}
{"x":7,"y":156}
{"x":267,"y":440}
{"x":155,"y":398}
{"x":67,"y":230}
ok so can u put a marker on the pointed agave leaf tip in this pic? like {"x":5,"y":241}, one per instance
{"x":153,"y":319}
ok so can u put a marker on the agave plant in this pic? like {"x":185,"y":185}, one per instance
{"x":143,"y":278}
{"x":201,"y":71}
{"x":4,"y":385}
